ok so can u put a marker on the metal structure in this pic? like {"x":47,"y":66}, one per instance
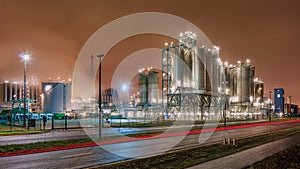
{"x":191,"y":77}
{"x":56,"y":97}
{"x":153,"y":77}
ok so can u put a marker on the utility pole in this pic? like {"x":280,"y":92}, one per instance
{"x":290,"y":107}
{"x":100,"y":95}
{"x":270,"y":116}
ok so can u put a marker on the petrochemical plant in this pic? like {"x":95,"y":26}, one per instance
{"x":193,"y":84}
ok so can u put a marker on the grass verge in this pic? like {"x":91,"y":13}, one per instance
{"x":193,"y":156}
{"x":41,"y":145}
{"x":22,"y":132}
{"x":288,"y":158}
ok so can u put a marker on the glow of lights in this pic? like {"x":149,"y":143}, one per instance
{"x":248,"y":61}
{"x":166,"y":44}
{"x":124,"y":87}
{"x":226,"y":63}
{"x":47,"y":88}
{"x":25,"y":56}
{"x":217,"y":48}
{"x":70,"y":79}
{"x":6,"y":81}
{"x":239,"y":62}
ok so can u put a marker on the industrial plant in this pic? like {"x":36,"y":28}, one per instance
{"x":193,"y":84}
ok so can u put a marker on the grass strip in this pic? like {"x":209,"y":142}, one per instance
{"x":288,"y":158}
{"x":41,"y":145}
{"x":23,"y":132}
{"x":193,"y":156}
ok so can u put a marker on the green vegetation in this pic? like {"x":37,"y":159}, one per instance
{"x":39,"y":145}
{"x":288,"y":158}
{"x":22,"y":132}
{"x":193,"y":156}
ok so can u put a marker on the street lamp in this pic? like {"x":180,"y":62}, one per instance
{"x":270,"y":112}
{"x":100,"y":96}
{"x":25,"y":57}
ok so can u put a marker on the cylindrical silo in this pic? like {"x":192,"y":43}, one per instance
{"x":214,"y":70}
{"x":143,"y":83}
{"x":243,"y":83}
{"x":153,"y":77}
{"x":187,"y":67}
{"x":200,"y":55}
{"x":251,"y":81}
{"x":258,"y":91}
{"x":208,"y":70}
{"x":56,"y":97}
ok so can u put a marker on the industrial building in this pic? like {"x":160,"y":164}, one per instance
{"x":279,"y":100}
{"x":12,"y":95}
{"x":196,"y":84}
{"x":56,"y":97}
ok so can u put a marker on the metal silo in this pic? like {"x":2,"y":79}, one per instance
{"x":200,"y":70}
{"x":214,"y":70}
{"x":153,"y":77}
{"x":258,"y":90}
{"x":143,"y":82}
{"x":243,"y":82}
{"x":208,"y":70}
{"x":56,"y":97}
{"x":251,"y":80}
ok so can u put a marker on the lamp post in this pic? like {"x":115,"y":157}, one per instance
{"x":26,"y":57}
{"x":270,"y":116}
{"x":100,"y":96}
{"x":290,"y":107}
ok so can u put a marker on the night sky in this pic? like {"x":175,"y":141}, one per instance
{"x":265,"y":31}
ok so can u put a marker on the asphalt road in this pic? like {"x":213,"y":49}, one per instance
{"x":80,"y":133}
{"x":83,"y":157}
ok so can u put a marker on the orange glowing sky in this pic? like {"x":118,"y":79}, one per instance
{"x":54,"y":31}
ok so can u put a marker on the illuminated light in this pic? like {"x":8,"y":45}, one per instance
{"x":217,"y":48}
{"x":70,"y":79}
{"x":47,"y":88}
{"x":239,"y":62}
{"x":251,"y":98}
{"x":25,"y":56}
{"x":248,"y":61}
{"x":138,"y":93}
{"x":219,"y":89}
{"x":165,"y":89}
{"x":124,"y":87}
{"x":227,"y":91}
{"x":256,"y":79}
{"x":230,"y":65}
{"x":164,"y":74}
{"x":6,"y":81}
{"x":140,"y":70}
{"x":58,"y":78}
{"x":226,"y":63}
{"x":166,"y":44}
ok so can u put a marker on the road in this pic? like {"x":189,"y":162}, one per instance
{"x":80,"y":133}
{"x":83,"y":157}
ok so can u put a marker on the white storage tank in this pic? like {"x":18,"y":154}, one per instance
{"x":56,"y":97}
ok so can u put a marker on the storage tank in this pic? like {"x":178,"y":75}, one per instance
{"x":153,"y":77}
{"x":243,"y":82}
{"x":143,"y":83}
{"x":214,"y":70}
{"x":200,"y":70}
{"x":258,"y":90}
{"x":56,"y":97}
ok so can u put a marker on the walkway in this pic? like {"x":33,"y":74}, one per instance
{"x":250,"y":156}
